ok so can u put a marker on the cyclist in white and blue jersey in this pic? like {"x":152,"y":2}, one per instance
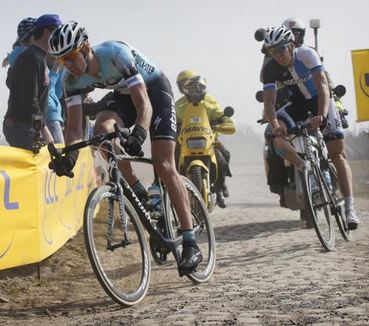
{"x":142,"y":97}
{"x":301,"y":71}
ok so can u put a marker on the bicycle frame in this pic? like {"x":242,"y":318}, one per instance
{"x":144,"y":215}
{"x":115,"y":176}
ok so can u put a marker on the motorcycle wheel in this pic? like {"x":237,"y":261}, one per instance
{"x":195,"y":176}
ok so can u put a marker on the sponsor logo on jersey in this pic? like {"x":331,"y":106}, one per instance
{"x":291,"y":82}
{"x":157,"y":123}
{"x":149,"y":69}
{"x":173,"y":117}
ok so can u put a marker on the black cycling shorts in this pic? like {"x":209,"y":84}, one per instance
{"x":163,"y":123}
{"x":299,"y":111}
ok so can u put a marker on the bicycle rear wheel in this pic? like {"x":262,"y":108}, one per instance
{"x":318,"y":203}
{"x":116,"y":246}
{"x":339,"y":208}
{"x":203,"y":229}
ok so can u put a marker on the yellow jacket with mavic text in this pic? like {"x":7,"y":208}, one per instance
{"x":213,"y":110}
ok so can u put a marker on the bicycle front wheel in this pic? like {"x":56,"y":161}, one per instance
{"x":318,"y":204}
{"x":116,"y":246}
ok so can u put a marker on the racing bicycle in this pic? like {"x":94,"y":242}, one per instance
{"x":114,"y":222}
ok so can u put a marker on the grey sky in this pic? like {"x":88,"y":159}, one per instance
{"x":214,"y":37}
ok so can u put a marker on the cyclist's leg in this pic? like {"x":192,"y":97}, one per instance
{"x":105,"y":121}
{"x":286,"y":150}
{"x":163,"y":132}
{"x":163,"y":160}
{"x":336,"y":150}
{"x":164,"y":165}
{"x":283,"y":147}
{"x":337,"y":154}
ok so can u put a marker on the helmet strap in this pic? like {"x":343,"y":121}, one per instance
{"x":85,"y":56}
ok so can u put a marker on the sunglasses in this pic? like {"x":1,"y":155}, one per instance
{"x":69,"y":57}
{"x":276,"y":50}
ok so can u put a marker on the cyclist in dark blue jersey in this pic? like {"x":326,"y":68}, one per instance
{"x":142,"y":97}
{"x":300,"y":70}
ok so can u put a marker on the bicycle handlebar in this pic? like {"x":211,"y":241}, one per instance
{"x":121,"y":133}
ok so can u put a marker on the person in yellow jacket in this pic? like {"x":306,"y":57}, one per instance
{"x":182,"y":102}
{"x":214,"y":112}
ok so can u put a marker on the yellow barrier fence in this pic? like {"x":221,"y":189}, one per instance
{"x":39,"y":211}
{"x":360,"y":64}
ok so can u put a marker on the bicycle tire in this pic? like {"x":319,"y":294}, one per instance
{"x":195,"y":175}
{"x":319,"y":202}
{"x":338,"y":209}
{"x":203,"y":229}
{"x":128,"y":283}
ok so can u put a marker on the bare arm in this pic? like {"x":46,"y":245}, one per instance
{"x":74,"y":131}
{"x":321,"y":84}
{"x":142,"y":104}
{"x":269,"y":98}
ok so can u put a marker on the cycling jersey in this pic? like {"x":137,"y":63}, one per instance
{"x":297,"y":78}
{"x":303,"y":94}
{"x":122,"y":66}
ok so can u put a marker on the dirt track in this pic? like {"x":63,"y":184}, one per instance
{"x":270,"y":271}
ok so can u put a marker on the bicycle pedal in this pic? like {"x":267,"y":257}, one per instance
{"x":184,"y":271}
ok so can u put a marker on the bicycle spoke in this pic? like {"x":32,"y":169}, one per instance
{"x":116,"y":247}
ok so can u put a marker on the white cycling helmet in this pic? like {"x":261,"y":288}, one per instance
{"x":66,"y":38}
{"x":298,"y":29}
{"x":277,"y":36}
{"x":294,"y":23}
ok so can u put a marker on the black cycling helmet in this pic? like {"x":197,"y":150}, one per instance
{"x":25,"y":29}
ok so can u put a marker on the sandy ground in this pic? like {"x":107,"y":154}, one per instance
{"x":270,"y":271}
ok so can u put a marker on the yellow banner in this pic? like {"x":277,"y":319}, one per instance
{"x":39,"y":211}
{"x":360,"y":64}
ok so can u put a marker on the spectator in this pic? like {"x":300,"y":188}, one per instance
{"x":54,"y":117}
{"x":25,"y":37}
{"x":29,"y":88}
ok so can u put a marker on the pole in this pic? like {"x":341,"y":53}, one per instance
{"x":316,"y":38}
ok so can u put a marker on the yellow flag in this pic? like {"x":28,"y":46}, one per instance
{"x":360,"y":65}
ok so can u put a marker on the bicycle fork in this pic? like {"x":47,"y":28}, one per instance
{"x":123,"y":219}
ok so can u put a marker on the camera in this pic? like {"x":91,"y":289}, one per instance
{"x":314,"y":23}
{"x":37,"y":121}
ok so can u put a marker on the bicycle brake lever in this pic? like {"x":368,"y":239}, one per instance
{"x":69,"y":174}
{"x":54,"y":152}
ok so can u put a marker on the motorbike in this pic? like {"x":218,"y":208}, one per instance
{"x":197,"y":140}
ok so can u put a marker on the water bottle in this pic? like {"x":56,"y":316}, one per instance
{"x":327,"y":178}
{"x":154,"y":198}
